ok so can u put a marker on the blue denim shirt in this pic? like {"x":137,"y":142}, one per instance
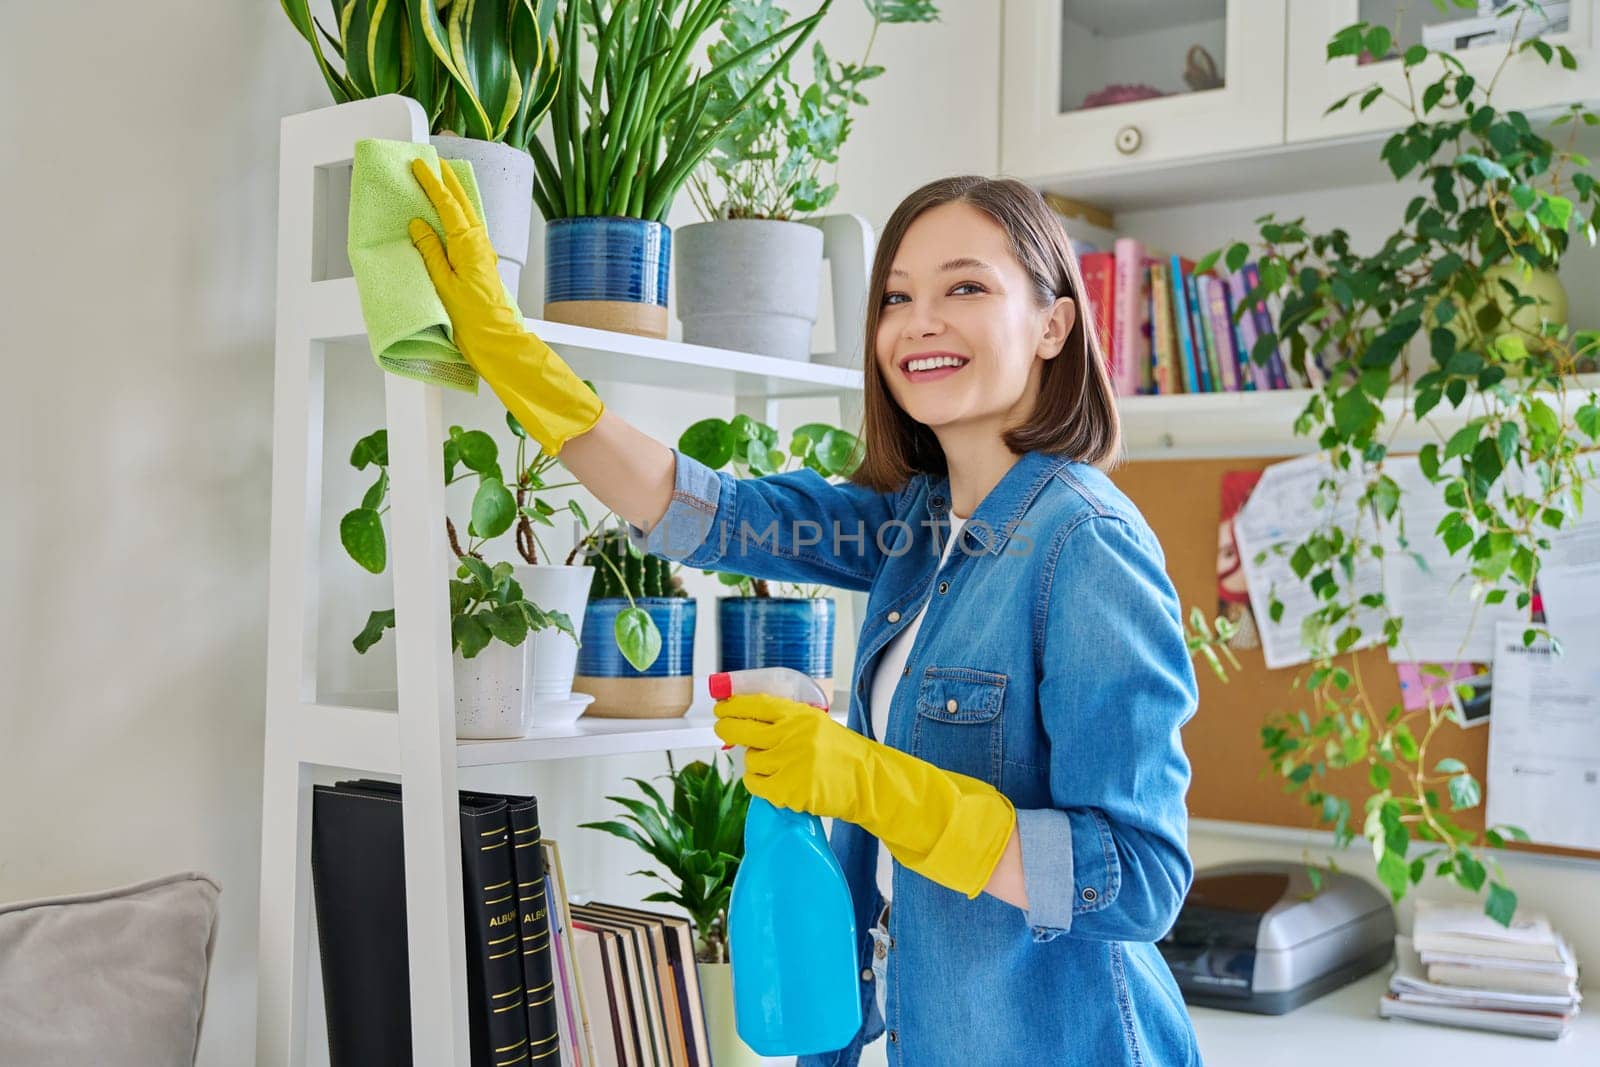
{"x":1056,"y":632}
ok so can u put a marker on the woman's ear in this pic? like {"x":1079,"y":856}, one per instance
{"x":1058,"y":327}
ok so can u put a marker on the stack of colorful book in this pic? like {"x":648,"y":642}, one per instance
{"x":1166,"y":329}
{"x":1461,"y":968}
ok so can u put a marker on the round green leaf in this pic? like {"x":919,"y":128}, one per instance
{"x":361,"y":533}
{"x":494,"y":509}
{"x":710,"y":441}
{"x":637,"y":637}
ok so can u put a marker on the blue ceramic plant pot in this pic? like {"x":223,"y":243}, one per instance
{"x":778,"y":631}
{"x":665,"y":688}
{"x":608,"y":272}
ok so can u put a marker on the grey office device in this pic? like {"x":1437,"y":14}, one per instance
{"x":1255,"y":937}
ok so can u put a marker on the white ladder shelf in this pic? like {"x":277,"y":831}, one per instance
{"x":411,"y":733}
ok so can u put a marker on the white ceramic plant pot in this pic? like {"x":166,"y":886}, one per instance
{"x":752,"y":285}
{"x":552,"y":655}
{"x":505,"y":183}
{"x":716,"y":996}
{"x":489,"y":693}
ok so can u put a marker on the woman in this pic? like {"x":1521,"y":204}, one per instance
{"x":1012,"y":776}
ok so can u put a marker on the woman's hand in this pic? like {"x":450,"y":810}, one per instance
{"x":948,"y":827}
{"x":551,"y":402}
{"x":798,"y":756}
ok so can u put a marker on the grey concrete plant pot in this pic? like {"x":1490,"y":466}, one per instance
{"x":752,"y":285}
{"x":505,"y":184}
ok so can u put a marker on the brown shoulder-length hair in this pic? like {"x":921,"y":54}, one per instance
{"x":1076,"y":413}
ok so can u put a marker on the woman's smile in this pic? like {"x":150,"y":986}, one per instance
{"x":932,"y":366}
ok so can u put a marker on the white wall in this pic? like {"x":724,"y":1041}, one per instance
{"x":139,"y":184}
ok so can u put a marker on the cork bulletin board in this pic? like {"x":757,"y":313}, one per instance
{"x":1183,"y":502}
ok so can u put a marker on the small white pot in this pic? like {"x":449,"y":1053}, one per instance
{"x":489,"y":693}
{"x":553,"y":655}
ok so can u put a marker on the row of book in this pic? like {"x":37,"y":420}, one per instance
{"x":548,"y":981}
{"x":1166,"y":329}
{"x":1461,"y":968}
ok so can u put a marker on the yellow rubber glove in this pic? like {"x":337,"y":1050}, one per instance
{"x":551,"y":402}
{"x":950,"y":828}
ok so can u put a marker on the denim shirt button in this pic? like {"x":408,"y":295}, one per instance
{"x":905,"y":672}
{"x":1089,"y":895}
{"x":894,"y":1036}
{"x":951,"y":706}
{"x":944,"y":587}
{"x":894,"y":616}
{"x":866,"y":974}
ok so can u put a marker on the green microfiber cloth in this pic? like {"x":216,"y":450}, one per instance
{"x":407,"y":326}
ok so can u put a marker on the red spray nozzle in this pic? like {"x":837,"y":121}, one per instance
{"x":721,"y":686}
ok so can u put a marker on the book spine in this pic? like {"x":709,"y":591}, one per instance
{"x":537,"y":953}
{"x":1202,"y":351}
{"x":1146,"y":336}
{"x":1180,"y":323}
{"x":1162,"y":334}
{"x":496,"y":998}
{"x":1264,"y":326}
{"x":1246,"y":331}
{"x":1127,"y":319}
{"x":1222,"y":331}
{"x":1215,"y":354}
{"x":1098,"y":270}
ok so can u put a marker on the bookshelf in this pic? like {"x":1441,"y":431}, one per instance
{"x":410,"y":731}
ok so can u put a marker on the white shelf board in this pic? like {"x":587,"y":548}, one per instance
{"x":334,"y":315}
{"x":1262,"y":422}
{"x":360,"y":731}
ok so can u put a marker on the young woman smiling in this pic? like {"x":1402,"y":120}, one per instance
{"x":1012,"y":776}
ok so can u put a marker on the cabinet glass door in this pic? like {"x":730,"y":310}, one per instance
{"x":1121,"y":51}
{"x":1478,"y":36}
{"x":1099,"y":86}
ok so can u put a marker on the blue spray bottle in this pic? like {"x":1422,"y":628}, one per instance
{"x":791,"y":924}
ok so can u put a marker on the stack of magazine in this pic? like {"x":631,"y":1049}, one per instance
{"x":1461,"y":968}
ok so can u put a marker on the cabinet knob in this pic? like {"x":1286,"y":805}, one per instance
{"x":1129,"y":139}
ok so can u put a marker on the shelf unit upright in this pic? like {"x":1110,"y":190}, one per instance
{"x":411,"y":733}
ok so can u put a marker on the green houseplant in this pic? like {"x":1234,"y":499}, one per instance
{"x":1496,"y":205}
{"x":749,"y":276}
{"x":756,"y":629}
{"x":512,"y":627}
{"x":621,"y":148}
{"x":698,"y":841}
{"x":485,"y":73}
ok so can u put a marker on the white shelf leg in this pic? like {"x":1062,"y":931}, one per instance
{"x":431,"y":809}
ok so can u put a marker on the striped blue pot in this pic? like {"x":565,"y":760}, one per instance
{"x":664,"y":689}
{"x":608,"y":272}
{"x":777,"y":631}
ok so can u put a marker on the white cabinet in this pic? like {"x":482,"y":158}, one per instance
{"x":1210,"y":74}
{"x":1526,"y":83}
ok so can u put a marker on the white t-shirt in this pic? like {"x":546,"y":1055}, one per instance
{"x":884,"y":682}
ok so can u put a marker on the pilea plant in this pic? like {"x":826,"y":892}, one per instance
{"x":748,"y":447}
{"x":486,"y":602}
{"x":777,"y":136}
{"x":1464,"y":274}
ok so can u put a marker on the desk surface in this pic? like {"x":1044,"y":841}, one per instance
{"x":1342,"y":1029}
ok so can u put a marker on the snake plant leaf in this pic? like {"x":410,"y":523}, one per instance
{"x":355,"y":19}
{"x":388,"y":45}
{"x":299,"y":13}
{"x":442,"y":41}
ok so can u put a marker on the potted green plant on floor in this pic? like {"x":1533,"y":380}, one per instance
{"x":622,"y":147}
{"x":494,"y":618}
{"x":754,"y":628}
{"x":698,"y":840}
{"x":485,"y":74}
{"x":637,"y":654}
{"x":748,"y":277}
{"x":1462,"y":281}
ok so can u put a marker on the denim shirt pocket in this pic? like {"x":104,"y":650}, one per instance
{"x":958,"y":723}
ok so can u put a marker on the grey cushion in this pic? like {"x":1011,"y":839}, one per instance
{"x":114,"y":977}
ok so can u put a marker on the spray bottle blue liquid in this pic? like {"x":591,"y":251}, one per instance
{"x":791,"y":924}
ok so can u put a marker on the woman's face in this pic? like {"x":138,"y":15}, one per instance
{"x":955,"y":288}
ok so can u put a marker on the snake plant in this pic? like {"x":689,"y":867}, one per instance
{"x":479,"y":68}
{"x":625,"y":143}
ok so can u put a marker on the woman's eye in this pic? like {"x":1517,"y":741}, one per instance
{"x":889,"y":297}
